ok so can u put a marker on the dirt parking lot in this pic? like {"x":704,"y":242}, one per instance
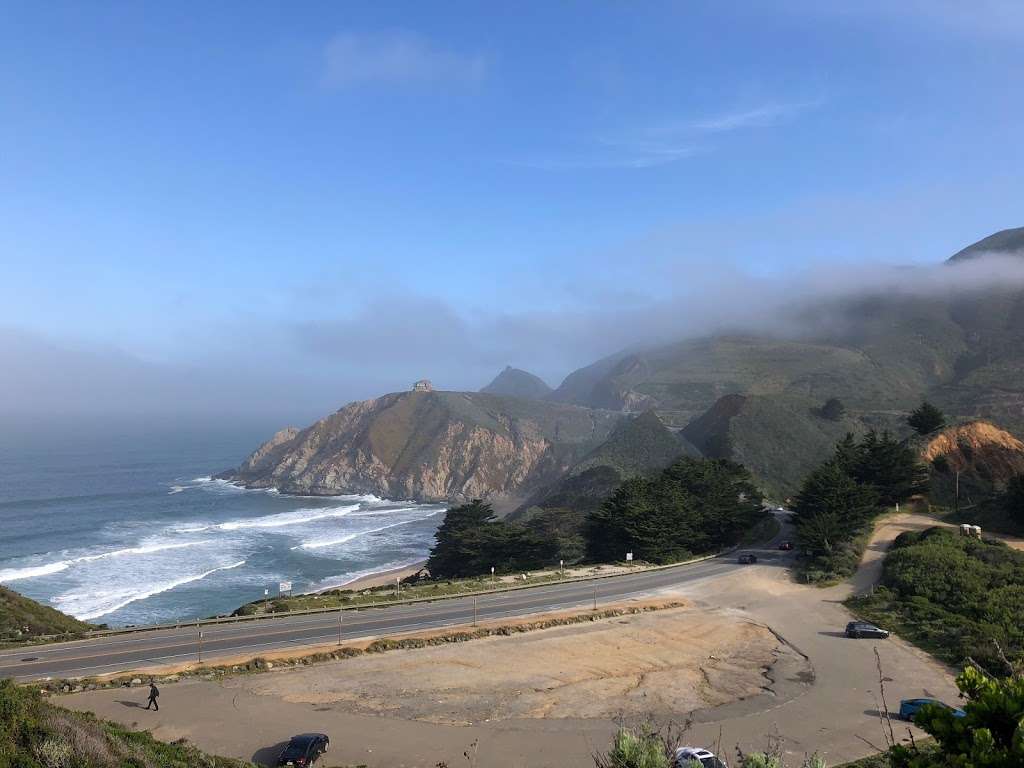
{"x":673,"y":661}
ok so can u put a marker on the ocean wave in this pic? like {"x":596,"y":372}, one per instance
{"x":175,"y":489}
{"x":35,"y":571}
{"x":316,"y":544}
{"x":97,"y":602}
{"x":279,"y":520}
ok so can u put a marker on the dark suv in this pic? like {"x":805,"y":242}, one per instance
{"x":304,"y":750}
{"x":747,"y":558}
{"x":863,"y":629}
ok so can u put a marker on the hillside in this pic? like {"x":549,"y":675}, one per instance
{"x":637,"y":446}
{"x":513,"y":382}
{"x":430,"y":446}
{"x":1004,"y":241}
{"x":984,"y":456}
{"x":24,"y":619}
{"x":880,"y":355}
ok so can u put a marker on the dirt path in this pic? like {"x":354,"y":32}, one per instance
{"x":550,"y":698}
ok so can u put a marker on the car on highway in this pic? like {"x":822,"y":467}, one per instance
{"x":786,"y":546}
{"x":858,"y":629}
{"x":747,"y":558}
{"x":910,"y":707}
{"x":687,"y":755}
{"x":304,"y":750}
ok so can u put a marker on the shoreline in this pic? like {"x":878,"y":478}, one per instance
{"x":380,"y":579}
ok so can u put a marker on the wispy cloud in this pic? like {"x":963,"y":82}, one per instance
{"x":395,"y":57}
{"x":611,"y":156}
{"x":761,"y":116}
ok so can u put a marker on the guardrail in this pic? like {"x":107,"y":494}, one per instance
{"x":383,"y":604}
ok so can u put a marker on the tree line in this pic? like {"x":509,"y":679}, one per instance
{"x":692,"y":507}
{"x":840,"y":498}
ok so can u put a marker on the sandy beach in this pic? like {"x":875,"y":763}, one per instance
{"x":383,"y":578}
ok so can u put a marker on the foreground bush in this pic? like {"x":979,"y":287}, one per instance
{"x":990,"y":736}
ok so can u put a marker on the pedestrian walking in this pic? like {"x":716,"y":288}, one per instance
{"x":154,"y":694}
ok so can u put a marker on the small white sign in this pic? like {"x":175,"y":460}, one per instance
{"x":284,"y":586}
{"x":629,"y":557}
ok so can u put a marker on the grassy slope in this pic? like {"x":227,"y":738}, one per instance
{"x":24,"y":619}
{"x":951,"y":596}
{"x":37,"y":734}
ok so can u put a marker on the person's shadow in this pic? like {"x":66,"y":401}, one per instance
{"x":269,"y":755}
{"x":133,"y":704}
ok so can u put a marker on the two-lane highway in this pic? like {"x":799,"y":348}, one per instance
{"x":150,"y":648}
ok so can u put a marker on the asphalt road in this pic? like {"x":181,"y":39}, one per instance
{"x":169,"y":646}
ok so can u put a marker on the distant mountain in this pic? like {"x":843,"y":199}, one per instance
{"x":636,"y":446}
{"x":514,"y":382}
{"x":430,"y":446}
{"x":756,"y":399}
{"x":1004,"y":241}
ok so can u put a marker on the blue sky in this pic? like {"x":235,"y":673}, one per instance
{"x":326,"y":199}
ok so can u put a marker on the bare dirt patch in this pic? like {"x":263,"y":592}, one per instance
{"x":673,"y":661}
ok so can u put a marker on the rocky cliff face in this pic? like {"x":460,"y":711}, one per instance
{"x":429,"y":446}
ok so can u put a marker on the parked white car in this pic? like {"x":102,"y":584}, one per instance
{"x":685,"y":755}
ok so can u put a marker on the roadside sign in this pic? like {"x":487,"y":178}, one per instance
{"x":629,"y":557}
{"x":284,"y":586}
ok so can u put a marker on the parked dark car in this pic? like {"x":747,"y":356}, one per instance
{"x":747,"y":558}
{"x":786,"y":546}
{"x":304,"y":749}
{"x":864,"y":629}
{"x":910,"y":707}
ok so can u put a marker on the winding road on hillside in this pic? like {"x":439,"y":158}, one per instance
{"x":160,"y":647}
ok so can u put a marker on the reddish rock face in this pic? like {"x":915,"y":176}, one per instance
{"x":429,"y":446}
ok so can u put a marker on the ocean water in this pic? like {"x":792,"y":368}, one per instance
{"x":126,"y":526}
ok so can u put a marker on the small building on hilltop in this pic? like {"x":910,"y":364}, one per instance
{"x":423,"y":385}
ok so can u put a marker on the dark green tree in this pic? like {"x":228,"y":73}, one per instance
{"x":926,"y":418}
{"x":471,"y":541}
{"x":892,"y":468}
{"x":830,"y":508}
{"x":833,"y":409}
{"x":1012,"y":499}
{"x":693,"y":506}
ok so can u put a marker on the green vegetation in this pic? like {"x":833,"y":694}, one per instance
{"x":833,"y":409}
{"x":991,"y":734}
{"x":693,"y":506}
{"x":37,"y":734}
{"x":926,"y":418}
{"x":24,"y":619}
{"x":471,"y":541}
{"x":637,"y":747}
{"x":955,"y":596}
{"x":839,"y":501}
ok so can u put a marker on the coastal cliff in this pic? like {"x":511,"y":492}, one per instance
{"x":429,"y":446}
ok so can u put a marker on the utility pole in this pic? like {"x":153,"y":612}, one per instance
{"x":474,"y":610}
{"x":561,"y":569}
{"x":200,"y":641}
{"x":492,"y":573}
{"x":595,"y":597}
{"x":340,"y":612}
{"x":398,"y":587}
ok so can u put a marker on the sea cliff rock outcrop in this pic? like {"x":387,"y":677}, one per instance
{"x":429,"y":446}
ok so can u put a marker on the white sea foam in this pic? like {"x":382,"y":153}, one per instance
{"x":321,"y":544}
{"x":99,"y":602}
{"x":279,"y":520}
{"x":35,"y":571}
{"x":175,"y":489}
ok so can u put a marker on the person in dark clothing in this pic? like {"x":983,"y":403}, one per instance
{"x":154,"y":693}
